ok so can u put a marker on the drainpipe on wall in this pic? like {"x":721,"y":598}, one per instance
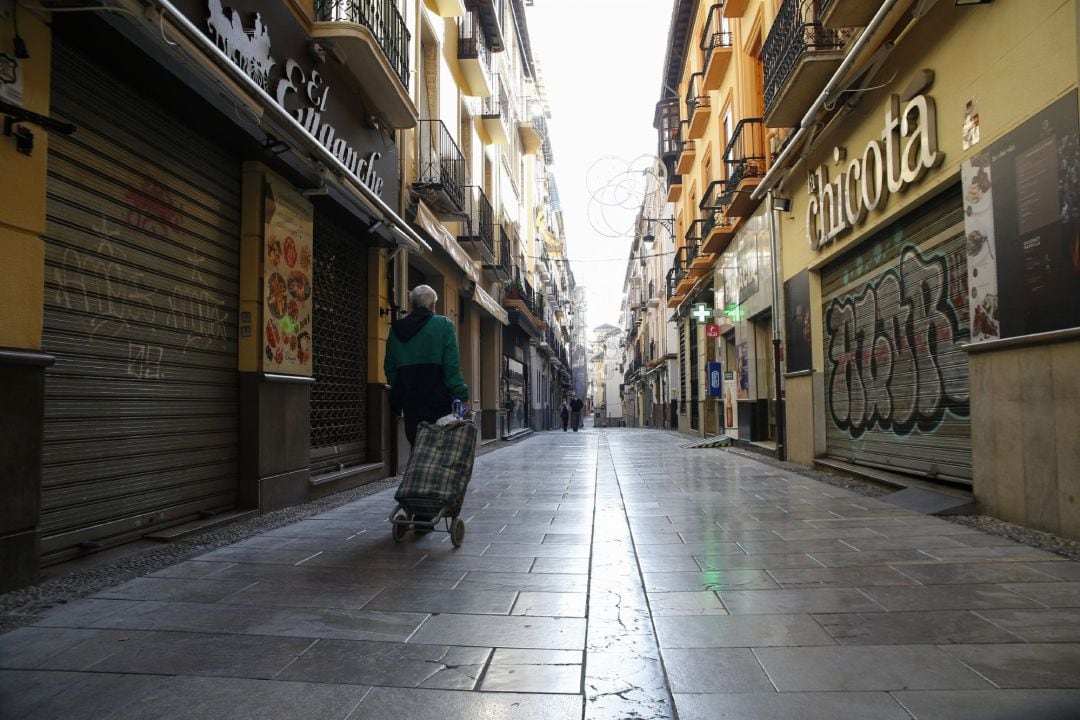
{"x":778,"y":315}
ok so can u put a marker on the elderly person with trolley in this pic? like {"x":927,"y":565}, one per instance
{"x":423,"y":368}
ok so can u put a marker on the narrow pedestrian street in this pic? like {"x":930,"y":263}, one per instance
{"x":608,"y":574}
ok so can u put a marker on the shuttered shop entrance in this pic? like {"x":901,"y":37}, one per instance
{"x":142,"y":242}
{"x":339,"y":396}
{"x":896,"y":318}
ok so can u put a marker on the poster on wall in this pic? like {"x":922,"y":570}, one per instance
{"x":730,"y":415}
{"x":1022,"y":222}
{"x":797,"y":322}
{"x":11,"y":80}
{"x":287,"y":304}
{"x":748,"y":266}
{"x":742,"y":358}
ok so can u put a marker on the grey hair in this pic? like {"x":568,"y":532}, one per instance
{"x":423,"y":296}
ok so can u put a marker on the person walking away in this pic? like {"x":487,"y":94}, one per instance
{"x":575,"y":409}
{"x":423,"y":364}
{"x":564,"y":413}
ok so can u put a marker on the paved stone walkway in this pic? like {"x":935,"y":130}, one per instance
{"x":606,"y":575}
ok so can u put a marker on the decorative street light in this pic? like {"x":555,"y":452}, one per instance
{"x":650,"y":225}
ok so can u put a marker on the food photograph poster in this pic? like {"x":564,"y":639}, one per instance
{"x":287,"y":304}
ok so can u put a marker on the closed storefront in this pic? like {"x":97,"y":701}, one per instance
{"x":142,"y":266}
{"x":896,"y":319}
{"x":339,"y":395}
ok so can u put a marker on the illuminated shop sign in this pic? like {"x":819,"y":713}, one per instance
{"x":907,"y":149}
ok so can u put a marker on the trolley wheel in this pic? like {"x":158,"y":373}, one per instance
{"x":398,"y":530}
{"x":457,"y":532}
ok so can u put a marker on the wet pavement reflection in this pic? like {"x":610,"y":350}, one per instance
{"x":606,"y":575}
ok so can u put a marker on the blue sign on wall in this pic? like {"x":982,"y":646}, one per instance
{"x":716,"y":380}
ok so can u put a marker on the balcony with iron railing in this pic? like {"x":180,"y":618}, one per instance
{"x":497,"y":112}
{"x":373,"y":40}
{"x":440,"y":169}
{"x":747,"y":161}
{"x":474,"y":55}
{"x":490,"y":13}
{"x":520,"y":297}
{"x":697,"y":262}
{"x":800,"y":54}
{"x":716,"y":47}
{"x":688,"y":156}
{"x":501,"y":266}
{"x":477,"y":227}
{"x":533,"y":131}
{"x":698,"y":107}
{"x":717,"y":230}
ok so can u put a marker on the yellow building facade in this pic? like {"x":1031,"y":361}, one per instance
{"x":929,"y":257}
{"x":912,"y":189}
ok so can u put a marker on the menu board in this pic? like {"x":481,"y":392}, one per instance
{"x":1022,"y":220}
{"x":287,"y":264}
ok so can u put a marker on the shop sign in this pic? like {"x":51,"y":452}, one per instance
{"x":907,"y":149}
{"x":304,"y":92}
{"x":716,"y":380}
{"x":712,"y":330}
{"x":701,"y":313}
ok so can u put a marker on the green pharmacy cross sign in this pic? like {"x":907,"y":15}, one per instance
{"x":701,"y":312}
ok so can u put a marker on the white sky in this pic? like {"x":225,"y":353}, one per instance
{"x":602,"y":61}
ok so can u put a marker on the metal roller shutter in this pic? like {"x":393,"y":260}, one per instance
{"x":896,"y":319}
{"x":339,"y":396}
{"x":142,"y":271}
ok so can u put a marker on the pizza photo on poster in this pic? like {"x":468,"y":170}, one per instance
{"x":1022,"y":220}
{"x":287,"y":243}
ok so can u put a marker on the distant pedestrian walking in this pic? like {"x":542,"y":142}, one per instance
{"x":575,"y":410}
{"x":564,"y":413}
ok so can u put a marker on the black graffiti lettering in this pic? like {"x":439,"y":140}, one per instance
{"x":889,"y":350}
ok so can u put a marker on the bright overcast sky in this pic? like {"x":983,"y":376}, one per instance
{"x":602,"y":61}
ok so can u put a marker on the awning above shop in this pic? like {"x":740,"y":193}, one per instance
{"x":177,"y":39}
{"x":426,"y":221}
{"x":490,"y":305}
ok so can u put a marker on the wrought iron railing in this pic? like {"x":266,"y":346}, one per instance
{"x":549,"y":154}
{"x":795,"y":32}
{"x":694,"y":236}
{"x":502,"y":252}
{"x":715,"y":33}
{"x":745,"y":152}
{"x":479,"y":224}
{"x":384,"y":21}
{"x":716,"y":196}
{"x":439,"y":161}
{"x":675,"y":276}
{"x":472,"y":43}
{"x":696,"y":97}
{"x":498,"y":102}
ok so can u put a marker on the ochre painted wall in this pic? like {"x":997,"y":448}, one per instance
{"x":22,"y":203}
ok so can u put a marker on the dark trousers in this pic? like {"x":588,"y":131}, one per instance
{"x":414,"y":417}
{"x":577,"y":419}
{"x":565,"y":421}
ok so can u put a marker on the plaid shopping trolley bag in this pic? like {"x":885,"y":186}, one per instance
{"x":437,"y":477}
